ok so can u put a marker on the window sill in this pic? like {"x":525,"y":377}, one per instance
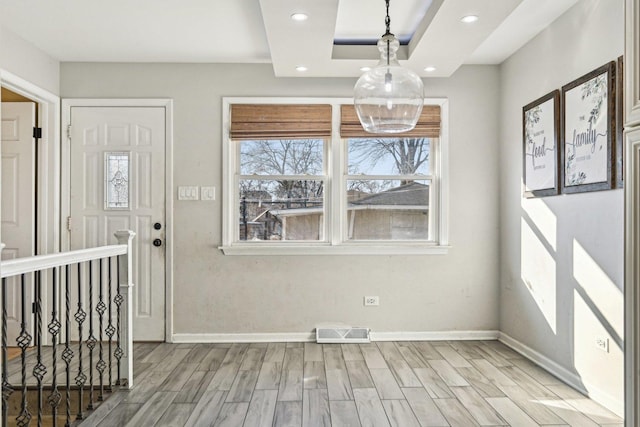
{"x":346,"y":249}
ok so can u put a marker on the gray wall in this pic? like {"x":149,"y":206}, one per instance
{"x":215,"y":293}
{"x":562,"y":256}
{"x":23,"y":59}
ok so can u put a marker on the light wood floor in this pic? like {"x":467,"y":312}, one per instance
{"x":403,"y":384}
{"x":13,"y":352}
{"x":14,"y":366}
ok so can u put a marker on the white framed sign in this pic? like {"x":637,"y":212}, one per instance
{"x":540,"y":124}
{"x":588,"y":132}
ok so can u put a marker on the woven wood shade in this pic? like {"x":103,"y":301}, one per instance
{"x":428,"y":125}
{"x":280,"y":121}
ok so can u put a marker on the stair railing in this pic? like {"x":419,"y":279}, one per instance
{"x":98,"y":298}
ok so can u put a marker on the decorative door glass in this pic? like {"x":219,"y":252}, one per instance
{"x":116,"y":181}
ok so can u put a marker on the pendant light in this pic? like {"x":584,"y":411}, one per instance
{"x":388,"y":98}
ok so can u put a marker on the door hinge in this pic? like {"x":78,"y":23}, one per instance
{"x":37,"y":133}
{"x":68,"y":223}
{"x":69,"y":131}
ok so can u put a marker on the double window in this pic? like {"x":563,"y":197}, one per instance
{"x":303,"y":177}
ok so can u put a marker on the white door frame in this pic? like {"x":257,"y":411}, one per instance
{"x":48,"y":156}
{"x":167,"y":104}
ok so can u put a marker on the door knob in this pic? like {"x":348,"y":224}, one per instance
{"x":157,"y":242}
{"x":157,"y":226}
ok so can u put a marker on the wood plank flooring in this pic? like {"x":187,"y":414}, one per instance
{"x":13,"y":352}
{"x":445,"y":383}
{"x":14,"y":365}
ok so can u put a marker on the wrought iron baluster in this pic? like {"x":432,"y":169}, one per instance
{"x":80,"y":317}
{"x":100,"y":308}
{"x":118,"y":299}
{"x":23,"y":341}
{"x":91,"y":341}
{"x":67,"y":354}
{"x":110,"y":328}
{"x":54,"y":330}
{"x":39,"y":370}
{"x":7,"y":390}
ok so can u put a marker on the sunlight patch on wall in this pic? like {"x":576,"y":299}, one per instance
{"x":538,"y":269}
{"x":603,"y":293}
{"x":543,"y":219}
{"x":587,"y":355}
{"x":598,"y":329}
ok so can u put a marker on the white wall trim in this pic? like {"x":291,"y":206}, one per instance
{"x":311,"y":337}
{"x":237,"y":338}
{"x":435,"y":336}
{"x":570,"y":378}
{"x":167,"y":104}
{"x":267,"y":249}
{"x":543,"y":361}
{"x":632,"y":64}
{"x":48,"y":154}
{"x":26,"y":88}
{"x":632,"y":275}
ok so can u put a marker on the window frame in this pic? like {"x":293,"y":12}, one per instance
{"x":335,"y":202}
{"x":433,"y":201}
{"x":324,"y":177}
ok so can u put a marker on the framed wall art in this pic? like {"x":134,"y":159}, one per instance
{"x":619,"y":145}
{"x":540,"y":125}
{"x":588,"y":132}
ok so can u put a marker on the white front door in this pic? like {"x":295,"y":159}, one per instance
{"x":117,"y":182}
{"x":18,"y":203}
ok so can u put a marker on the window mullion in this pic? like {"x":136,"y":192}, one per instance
{"x":336,"y":161}
{"x":235,"y":216}
{"x":283,"y":177}
{"x":391,"y":177}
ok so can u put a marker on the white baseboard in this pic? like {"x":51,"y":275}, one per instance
{"x":231,"y":338}
{"x":310,"y":336}
{"x":435,"y":336}
{"x":572,"y":379}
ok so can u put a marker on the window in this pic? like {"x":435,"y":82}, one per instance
{"x":281,"y":190}
{"x":302,"y":177}
{"x":388,"y":188}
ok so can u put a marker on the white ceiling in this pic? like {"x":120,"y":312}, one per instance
{"x":261,"y":31}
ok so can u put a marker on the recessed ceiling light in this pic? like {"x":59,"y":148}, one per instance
{"x":469,"y":19}
{"x":430,"y":69}
{"x":301,"y":68}
{"x":365,"y":69}
{"x":299,"y":16}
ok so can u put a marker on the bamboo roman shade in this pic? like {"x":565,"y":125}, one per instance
{"x":428,"y":125}
{"x":280,"y":121}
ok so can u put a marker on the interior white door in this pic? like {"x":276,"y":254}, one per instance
{"x":18,"y":203}
{"x":117,"y":182}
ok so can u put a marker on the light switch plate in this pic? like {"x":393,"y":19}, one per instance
{"x":188,"y":193}
{"x":207,"y":193}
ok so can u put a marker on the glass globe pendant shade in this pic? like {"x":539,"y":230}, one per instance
{"x":388,"y":98}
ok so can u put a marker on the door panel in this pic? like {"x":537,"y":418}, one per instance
{"x":18,"y":202}
{"x":117,"y":182}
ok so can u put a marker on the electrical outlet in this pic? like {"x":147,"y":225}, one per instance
{"x":603,"y":344}
{"x":371,"y":300}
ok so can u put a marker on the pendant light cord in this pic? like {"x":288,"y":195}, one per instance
{"x":387,"y":21}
